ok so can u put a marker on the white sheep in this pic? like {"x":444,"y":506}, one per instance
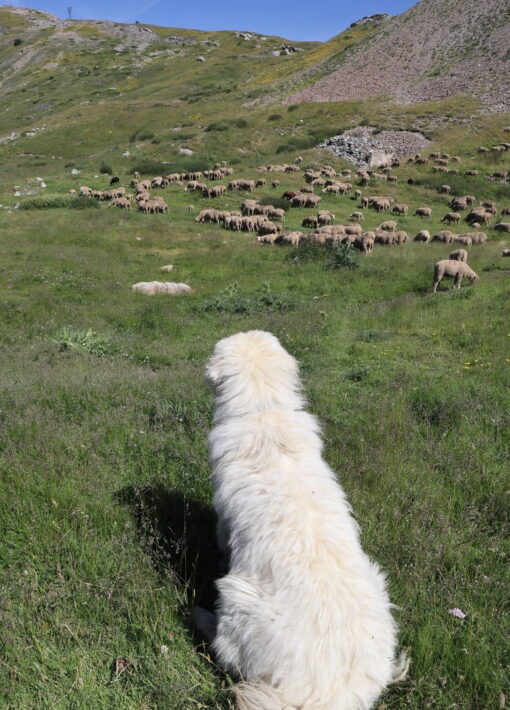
{"x":151,"y":288}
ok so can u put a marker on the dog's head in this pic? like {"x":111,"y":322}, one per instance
{"x":253,"y":372}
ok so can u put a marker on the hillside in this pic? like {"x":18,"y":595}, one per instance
{"x":434,"y":50}
{"x":106,"y":518}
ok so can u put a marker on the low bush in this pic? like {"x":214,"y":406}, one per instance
{"x":217,"y":126}
{"x":85,"y":342}
{"x":334,"y":256}
{"x":274,"y":117}
{"x":275,"y":202}
{"x":46,"y":202}
{"x":105,"y":169}
{"x":82,"y":202}
{"x":342,"y":256}
{"x":234,"y":300}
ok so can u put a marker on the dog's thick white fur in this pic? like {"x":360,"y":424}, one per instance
{"x":303,"y":616}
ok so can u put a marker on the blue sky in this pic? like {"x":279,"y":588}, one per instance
{"x":293,"y":19}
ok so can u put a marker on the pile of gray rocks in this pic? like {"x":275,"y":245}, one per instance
{"x":365,"y":150}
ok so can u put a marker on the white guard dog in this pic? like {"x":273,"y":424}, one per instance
{"x":303,"y":616}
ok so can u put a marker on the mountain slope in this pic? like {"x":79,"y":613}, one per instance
{"x":434,"y":50}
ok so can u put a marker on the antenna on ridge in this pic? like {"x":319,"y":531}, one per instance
{"x":69,"y":11}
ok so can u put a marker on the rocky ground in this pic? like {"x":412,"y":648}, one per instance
{"x":432,"y":51}
{"x":365,"y":148}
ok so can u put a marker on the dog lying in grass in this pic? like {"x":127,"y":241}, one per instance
{"x":303,"y":616}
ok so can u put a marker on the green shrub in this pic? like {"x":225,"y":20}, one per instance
{"x":85,"y":342}
{"x":274,"y":117}
{"x":294,"y":107}
{"x":105,"y":169}
{"x":233,"y":300}
{"x":240,"y":123}
{"x":82,"y":202}
{"x":275,"y":202}
{"x":145,"y":135}
{"x":217,"y":126}
{"x":334,"y":256}
{"x":46,"y":202}
{"x":342,"y":256}
{"x":308,"y":250}
{"x":17,"y":41}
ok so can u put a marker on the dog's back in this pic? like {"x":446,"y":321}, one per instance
{"x":303,"y":615}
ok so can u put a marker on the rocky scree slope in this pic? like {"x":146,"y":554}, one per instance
{"x":434,"y":50}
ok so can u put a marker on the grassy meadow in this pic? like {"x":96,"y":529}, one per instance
{"x":106,"y":525}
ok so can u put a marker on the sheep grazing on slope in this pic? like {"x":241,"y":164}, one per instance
{"x":456,"y":269}
{"x":153,"y":288}
{"x":459,"y":255}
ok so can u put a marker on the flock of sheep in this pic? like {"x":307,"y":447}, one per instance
{"x":265,"y":220}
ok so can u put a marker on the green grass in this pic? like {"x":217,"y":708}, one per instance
{"x":106,"y":520}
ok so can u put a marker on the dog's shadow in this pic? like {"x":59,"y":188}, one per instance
{"x":179,"y":534}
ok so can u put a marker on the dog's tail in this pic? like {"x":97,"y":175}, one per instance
{"x":259,"y":696}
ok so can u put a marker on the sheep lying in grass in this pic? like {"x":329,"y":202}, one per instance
{"x":459,"y":255}
{"x":153,"y":288}
{"x":455,"y":269}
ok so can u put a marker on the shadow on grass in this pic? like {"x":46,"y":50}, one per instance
{"x":179,"y":534}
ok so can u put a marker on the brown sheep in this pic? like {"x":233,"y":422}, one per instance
{"x":423,"y":212}
{"x":477,"y":237}
{"x":384,"y":238}
{"x":269,"y":228}
{"x":400,"y":237}
{"x":388,"y":226}
{"x":451,"y":217}
{"x":463,"y":239}
{"x":445,"y":189}
{"x":456,"y":269}
{"x":459,"y":255}
{"x":364,"y":242}
{"x":505,"y":211}
{"x":357,"y":215}
{"x":353,"y":229}
{"x":400,"y":209}
{"x":445,"y":236}
{"x":459,"y":204}
{"x":312,"y":222}
{"x":289,"y":239}
{"x":422,"y":236}
{"x":298,"y":200}
{"x":260,"y":182}
{"x":275,"y":183}
{"x":502,"y":227}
